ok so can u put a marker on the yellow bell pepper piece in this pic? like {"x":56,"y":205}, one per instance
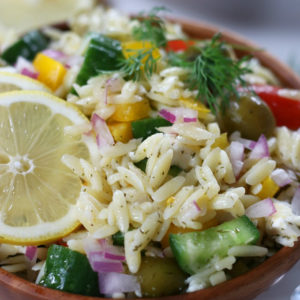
{"x":51,"y":72}
{"x":203,"y":111}
{"x":128,"y":112}
{"x":133,"y":48}
{"x":121,"y":131}
{"x":269,"y":188}
{"x":221,"y":141}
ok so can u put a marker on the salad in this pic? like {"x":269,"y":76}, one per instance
{"x":138,"y":162}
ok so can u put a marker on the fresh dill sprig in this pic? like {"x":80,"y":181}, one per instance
{"x":213,"y":73}
{"x":151,"y":27}
{"x":138,"y":63}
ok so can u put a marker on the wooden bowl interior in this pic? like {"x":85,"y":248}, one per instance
{"x":243,"y":287}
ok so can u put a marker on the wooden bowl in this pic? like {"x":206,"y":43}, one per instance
{"x":244,"y":287}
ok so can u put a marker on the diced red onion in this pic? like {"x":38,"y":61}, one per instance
{"x":236,"y":151}
{"x":110,"y":283}
{"x":23,"y":63}
{"x":104,"y":257}
{"x":116,"y":252}
{"x":167,"y":115}
{"x":31,"y":253}
{"x":67,"y":60}
{"x":179,"y":114}
{"x":27,"y":72}
{"x":106,"y":266}
{"x":25,"y":67}
{"x":249,"y":144}
{"x":103,"y":135}
{"x":281,"y":177}
{"x":55,"y":54}
{"x":113,"y":256}
{"x":263,"y":208}
{"x":190,"y":120}
{"x":261,"y":149}
{"x":197,"y":206}
{"x":296,"y":202}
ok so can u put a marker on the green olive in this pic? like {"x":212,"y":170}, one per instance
{"x":249,"y":115}
{"x":160,"y":277}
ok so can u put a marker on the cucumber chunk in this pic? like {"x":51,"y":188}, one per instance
{"x":69,"y":271}
{"x":146,"y":127}
{"x":194,"y":250}
{"x":103,"y":55}
{"x":28,"y":46}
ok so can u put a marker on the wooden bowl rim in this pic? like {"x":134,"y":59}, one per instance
{"x":238,"y":284}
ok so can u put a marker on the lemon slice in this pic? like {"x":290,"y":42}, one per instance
{"x":15,"y":82}
{"x":38,"y":193}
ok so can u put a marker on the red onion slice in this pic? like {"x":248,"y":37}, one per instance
{"x":31,"y":253}
{"x":107,"y":266}
{"x":25,"y":67}
{"x":190,"y":120}
{"x":103,"y":135}
{"x":29,"y":73}
{"x":263,"y":208}
{"x":179,"y":114}
{"x":110,"y":283}
{"x":55,"y":54}
{"x":281,"y":177}
{"x":197,"y":206}
{"x":295,"y":204}
{"x":167,"y":115}
{"x":236,"y":152}
{"x":261,"y":149}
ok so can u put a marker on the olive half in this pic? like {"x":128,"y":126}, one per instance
{"x":249,"y":115}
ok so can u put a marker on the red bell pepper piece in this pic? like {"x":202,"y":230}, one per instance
{"x":286,"y":110}
{"x":179,"y":45}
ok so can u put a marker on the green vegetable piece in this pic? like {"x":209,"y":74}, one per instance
{"x":194,"y":250}
{"x":118,"y":239}
{"x":142,"y":164}
{"x":69,"y":271}
{"x":146,"y":127}
{"x":28,"y":46}
{"x":160,"y":277}
{"x":249,"y":115}
{"x":103,"y":55}
{"x":174,"y":170}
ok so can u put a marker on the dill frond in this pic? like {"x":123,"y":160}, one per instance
{"x":139,"y":63}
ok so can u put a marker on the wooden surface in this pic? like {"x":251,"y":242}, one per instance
{"x":244,"y":287}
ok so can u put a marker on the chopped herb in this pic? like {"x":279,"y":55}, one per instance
{"x":213,"y":73}
{"x":138,"y":63}
{"x":151,"y":27}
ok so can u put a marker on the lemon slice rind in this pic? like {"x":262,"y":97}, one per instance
{"x":13,"y":82}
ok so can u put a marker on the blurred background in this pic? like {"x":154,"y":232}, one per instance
{"x":272,"y":24}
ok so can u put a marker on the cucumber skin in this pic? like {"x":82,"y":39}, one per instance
{"x":147,"y":127}
{"x":194,"y":250}
{"x":28,"y":46}
{"x":69,"y":271}
{"x":102,"y":55}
